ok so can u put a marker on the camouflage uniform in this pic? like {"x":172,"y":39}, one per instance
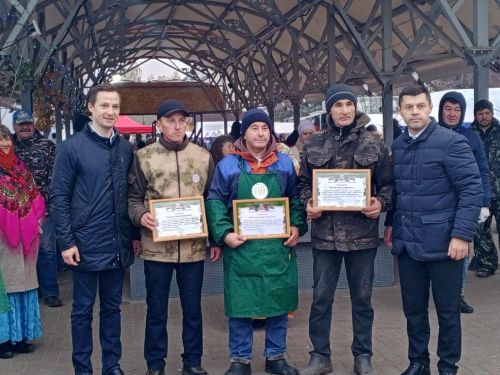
{"x":348,"y":237}
{"x":345,"y":231}
{"x":38,"y":154}
{"x":164,"y":170}
{"x":486,"y":256}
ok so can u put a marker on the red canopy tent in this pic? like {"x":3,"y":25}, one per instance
{"x":126,"y":125}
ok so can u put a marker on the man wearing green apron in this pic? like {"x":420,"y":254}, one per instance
{"x":260,"y":275}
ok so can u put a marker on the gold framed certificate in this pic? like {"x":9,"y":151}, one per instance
{"x":178,"y":218}
{"x":341,"y":189}
{"x":262,"y":218}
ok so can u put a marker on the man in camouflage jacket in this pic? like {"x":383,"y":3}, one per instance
{"x":486,"y":257}
{"x":38,"y":153}
{"x":351,"y":236}
{"x":171,"y":168}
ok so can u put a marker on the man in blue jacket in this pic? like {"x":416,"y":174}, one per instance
{"x":438,"y":199}
{"x":89,"y":206}
{"x":451,"y":115}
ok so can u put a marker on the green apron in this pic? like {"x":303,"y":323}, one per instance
{"x":4,"y":300}
{"x":260,"y":276}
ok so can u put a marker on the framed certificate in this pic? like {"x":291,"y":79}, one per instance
{"x":341,"y":189}
{"x":178,"y":218}
{"x":262,"y":218}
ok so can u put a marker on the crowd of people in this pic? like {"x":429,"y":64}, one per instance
{"x":93,"y":195}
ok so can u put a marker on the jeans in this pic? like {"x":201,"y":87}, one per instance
{"x":85,"y":285}
{"x":189,"y":280}
{"x":241,"y":338}
{"x":359,"y":266}
{"x":46,"y":266}
{"x":445,"y":278}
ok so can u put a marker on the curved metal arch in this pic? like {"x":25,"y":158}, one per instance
{"x":300,"y":65}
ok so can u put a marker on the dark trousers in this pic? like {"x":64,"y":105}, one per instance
{"x":359,"y":266}
{"x":189,"y":280}
{"x":85,"y":285}
{"x":445,"y":278}
{"x":46,"y":267}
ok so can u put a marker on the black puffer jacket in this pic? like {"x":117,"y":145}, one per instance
{"x":89,"y":200}
{"x":351,"y":147}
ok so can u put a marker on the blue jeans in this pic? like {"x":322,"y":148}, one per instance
{"x":359,"y":265}
{"x":46,"y":266}
{"x":85,"y":285}
{"x":241,"y":338}
{"x":158,"y":276}
{"x":445,"y":279}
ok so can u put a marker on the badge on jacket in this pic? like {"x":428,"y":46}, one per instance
{"x":260,"y":191}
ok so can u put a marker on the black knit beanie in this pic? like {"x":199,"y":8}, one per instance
{"x":338,"y":92}
{"x":255,"y":115}
{"x":482,"y":104}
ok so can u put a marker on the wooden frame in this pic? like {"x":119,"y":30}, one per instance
{"x":178,"y":204}
{"x":344,"y":177}
{"x":243,"y":203}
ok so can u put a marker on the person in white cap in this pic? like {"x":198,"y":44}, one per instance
{"x":306,"y":129}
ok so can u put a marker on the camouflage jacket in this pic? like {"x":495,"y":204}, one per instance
{"x":491,"y":143}
{"x":166,"y":170}
{"x":354,"y":149}
{"x":38,"y":153}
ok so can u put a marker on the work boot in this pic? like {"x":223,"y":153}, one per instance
{"x":417,"y":369}
{"x":465,"y":308}
{"x":22,"y":347}
{"x":52,"y":301}
{"x":239,"y":368}
{"x":484,"y":273}
{"x":280,"y":367}
{"x":318,"y":365}
{"x":152,"y":371}
{"x":193,"y":370}
{"x":6,"y":350}
{"x":363,"y":364}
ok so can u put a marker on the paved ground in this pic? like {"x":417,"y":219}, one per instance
{"x":481,"y":335}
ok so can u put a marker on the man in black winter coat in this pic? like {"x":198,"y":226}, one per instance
{"x":89,"y":206}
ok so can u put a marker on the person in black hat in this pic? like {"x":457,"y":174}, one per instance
{"x":260,"y":275}
{"x":173,"y":167}
{"x":485,"y":260}
{"x":344,"y":236}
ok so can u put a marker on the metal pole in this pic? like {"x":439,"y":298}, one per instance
{"x":59,"y":125}
{"x":387,"y":92}
{"x":27,"y":99}
{"x":330,"y":40}
{"x":481,"y":42}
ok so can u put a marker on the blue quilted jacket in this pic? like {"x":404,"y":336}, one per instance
{"x":89,"y":200}
{"x":438,"y":192}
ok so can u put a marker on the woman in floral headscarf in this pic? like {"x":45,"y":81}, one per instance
{"x":21,"y":210}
